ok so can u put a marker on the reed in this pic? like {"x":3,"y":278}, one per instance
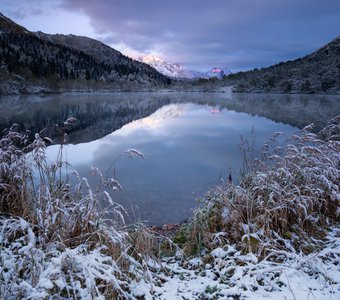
{"x":286,"y":199}
{"x":59,"y":236}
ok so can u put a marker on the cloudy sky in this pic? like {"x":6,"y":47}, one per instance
{"x":238,"y":34}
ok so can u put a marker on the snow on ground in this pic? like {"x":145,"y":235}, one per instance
{"x":231,"y":275}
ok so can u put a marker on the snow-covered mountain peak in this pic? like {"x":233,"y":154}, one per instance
{"x":166,"y":68}
{"x":218,"y":72}
{"x":179,"y":71}
{"x":150,"y":58}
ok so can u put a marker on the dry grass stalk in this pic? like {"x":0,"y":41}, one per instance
{"x":286,"y":200}
{"x":56,"y":222}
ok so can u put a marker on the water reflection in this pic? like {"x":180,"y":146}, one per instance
{"x":100,"y":114}
{"x":189,"y":139}
{"x":187,"y":147}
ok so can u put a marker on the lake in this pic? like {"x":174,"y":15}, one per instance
{"x":189,"y":140}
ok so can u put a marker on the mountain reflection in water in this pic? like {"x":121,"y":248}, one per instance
{"x":189,"y":140}
{"x":101,"y":113}
{"x":187,"y":148}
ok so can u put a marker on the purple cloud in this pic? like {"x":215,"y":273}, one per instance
{"x":201,"y":34}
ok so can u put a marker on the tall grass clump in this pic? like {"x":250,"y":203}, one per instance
{"x":286,"y":200}
{"x":59,"y":239}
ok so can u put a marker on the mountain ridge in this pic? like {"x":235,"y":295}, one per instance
{"x":317,"y":72}
{"x":8,"y":25}
{"x":178,"y":71}
{"x":36,"y":62}
{"x":33,"y":62}
{"x":166,"y":68}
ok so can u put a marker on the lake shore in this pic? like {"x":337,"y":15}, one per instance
{"x":22,"y":88}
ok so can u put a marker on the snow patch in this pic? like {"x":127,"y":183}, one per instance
{"x":219,"y":253}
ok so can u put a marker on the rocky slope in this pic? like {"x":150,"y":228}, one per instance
{"x":318,"y":72}
{"x":37,"y":62}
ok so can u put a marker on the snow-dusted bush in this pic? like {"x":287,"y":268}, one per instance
{"x":28,"y":270}
{"x":59,"y":239}
{"x":286,"y":201}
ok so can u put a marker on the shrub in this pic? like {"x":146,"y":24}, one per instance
{"x":283,"y":202}
{"x":59,"y":239}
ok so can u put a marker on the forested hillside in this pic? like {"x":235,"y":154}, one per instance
{"x":33,"y":62}
{"x":318,"y":72}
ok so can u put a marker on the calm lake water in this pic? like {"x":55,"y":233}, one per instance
{"x":189,"y":140}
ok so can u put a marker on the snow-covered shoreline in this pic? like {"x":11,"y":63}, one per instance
{"x":275,"y":235}
{"x":232,"y":275}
